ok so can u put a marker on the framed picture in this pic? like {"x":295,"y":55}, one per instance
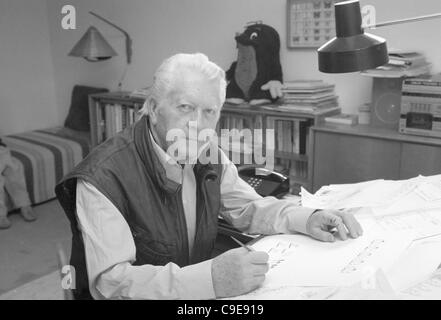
{"x":310,"y":23}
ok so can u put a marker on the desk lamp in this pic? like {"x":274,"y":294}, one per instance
{"x":353,"y":50}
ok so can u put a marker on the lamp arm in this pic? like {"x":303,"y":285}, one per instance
{"x":419,"y":18}
{"x":126,"y":34}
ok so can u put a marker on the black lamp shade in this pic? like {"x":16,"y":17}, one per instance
{"x":351,"y":50}
{"x":93,"y":47}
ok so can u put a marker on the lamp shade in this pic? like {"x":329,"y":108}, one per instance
{"x":93,"y":47}
{"x":351,"y":50}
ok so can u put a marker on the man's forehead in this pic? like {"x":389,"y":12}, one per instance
{"x":195,"y":92}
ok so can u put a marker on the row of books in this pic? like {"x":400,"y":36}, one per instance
{"x":116,"y":118}
{"x":289,"y":135}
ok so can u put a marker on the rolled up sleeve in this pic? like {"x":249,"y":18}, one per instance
{"x":253,"y":214}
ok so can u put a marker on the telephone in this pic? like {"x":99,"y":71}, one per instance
{"x":266,"y":182}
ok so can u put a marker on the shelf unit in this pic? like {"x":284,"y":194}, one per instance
{"x":291,"y":135}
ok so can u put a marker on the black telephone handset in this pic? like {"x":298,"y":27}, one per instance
{"x":266,"y":182}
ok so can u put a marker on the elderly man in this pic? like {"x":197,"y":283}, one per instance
{"x":144,"y":223}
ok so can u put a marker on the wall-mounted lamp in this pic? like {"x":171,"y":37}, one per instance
{"x":94,"y":47}
{"x":353,"y":50}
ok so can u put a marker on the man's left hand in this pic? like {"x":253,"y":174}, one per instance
{"x":321,"y":222}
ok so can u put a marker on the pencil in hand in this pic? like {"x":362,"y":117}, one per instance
{"x":242,"y":244}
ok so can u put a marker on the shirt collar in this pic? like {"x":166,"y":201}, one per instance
{"x":172,"y":169}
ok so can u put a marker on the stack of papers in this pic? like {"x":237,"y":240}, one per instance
{"x":383,"y":196}
{"x":308,"y":95}
{"x":398,"y":256}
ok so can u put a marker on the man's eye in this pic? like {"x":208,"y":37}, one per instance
{"x":185,"y":107}
{"x":210,"y":111}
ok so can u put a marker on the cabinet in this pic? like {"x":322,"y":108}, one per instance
{"x":349,"y":154}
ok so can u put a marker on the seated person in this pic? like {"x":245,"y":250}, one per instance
{"x":12,"y":180}
{"x":145,"y":222}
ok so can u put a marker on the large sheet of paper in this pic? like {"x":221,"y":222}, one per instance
{"x":416,"y":264}
{"x":288,"y":293}
{"x":422,"y":223}
{"x":298,"y":260}
{"x":428,"y":289}
{"x":385,"y":197}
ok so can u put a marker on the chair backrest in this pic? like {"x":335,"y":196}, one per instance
{"x":62,"y":262}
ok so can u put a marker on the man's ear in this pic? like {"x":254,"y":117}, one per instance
{"x":152,"y":107}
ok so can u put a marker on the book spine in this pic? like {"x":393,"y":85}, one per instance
{"x":279,"y":129}
{"x":303,"y":129}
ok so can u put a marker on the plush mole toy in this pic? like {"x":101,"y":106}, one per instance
{"x":256,"y":76}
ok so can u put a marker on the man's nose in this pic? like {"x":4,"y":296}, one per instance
{"x":198,"y":117}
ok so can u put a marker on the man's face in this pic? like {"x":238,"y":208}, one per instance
{"x":192,"y":101}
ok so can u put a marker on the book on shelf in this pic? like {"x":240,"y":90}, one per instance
{"x":115,"y":118}
{"x":313,"y":84}
{"x":391,"y":71}
{"x":406,"y":58}
{"x":307,"y":96}
{"x":324,"y":95}
{"x":308,"y":109}
{"x":401,"y":64}
{"x":290,"y":134}
{"x":343,"y":118}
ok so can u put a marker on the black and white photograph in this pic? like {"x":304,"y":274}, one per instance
{"x":222,"y":153}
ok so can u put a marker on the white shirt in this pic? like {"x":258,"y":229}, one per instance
{"x":110,"y":249}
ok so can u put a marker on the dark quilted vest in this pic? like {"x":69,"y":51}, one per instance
{"x":127,"y":171}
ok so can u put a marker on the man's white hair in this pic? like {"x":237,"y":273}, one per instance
{"x":171,"y":69}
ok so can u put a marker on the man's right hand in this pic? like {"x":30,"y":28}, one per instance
{"x":238,"y":271}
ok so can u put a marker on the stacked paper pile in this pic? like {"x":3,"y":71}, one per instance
{"x":401,"y":64}
{"x":412,"y":206}
{"x":397,"y":257}
{"x":308,"y":96}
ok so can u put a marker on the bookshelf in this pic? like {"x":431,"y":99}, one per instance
{"x":291,"y":136}
{"x":111,"y":112}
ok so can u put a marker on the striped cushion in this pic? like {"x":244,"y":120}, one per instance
{"x":46,"y":156}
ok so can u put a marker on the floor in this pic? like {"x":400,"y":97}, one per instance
{"x":43,"y":288}
{"x":28,"y":250}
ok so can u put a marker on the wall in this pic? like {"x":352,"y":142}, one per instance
{"x":27,"y":90}
{"x":162,"y":27}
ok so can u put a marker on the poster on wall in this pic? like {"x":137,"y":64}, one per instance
{"x":310,"y":23}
